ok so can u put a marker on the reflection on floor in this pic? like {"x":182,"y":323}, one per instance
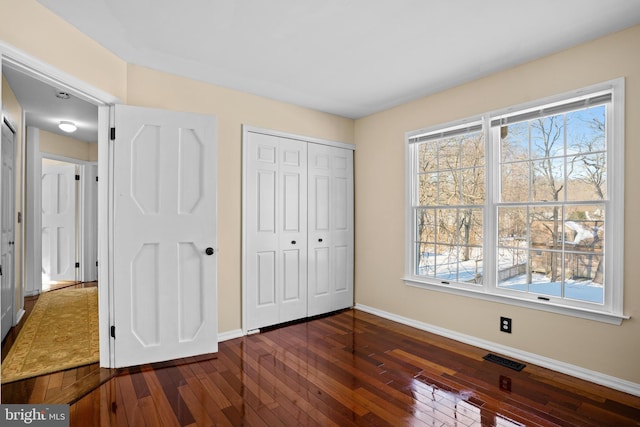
{"x":348,"y":369}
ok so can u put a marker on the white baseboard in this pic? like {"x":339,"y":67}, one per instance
{"x":229,"y":335}
{"x":555,"y":365}
{"x":19,"y":315}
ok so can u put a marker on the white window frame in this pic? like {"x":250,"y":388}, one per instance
{"x":612,"y":309}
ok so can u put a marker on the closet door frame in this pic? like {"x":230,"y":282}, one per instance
{"x":246,"y":130}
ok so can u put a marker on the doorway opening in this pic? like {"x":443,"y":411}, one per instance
{"x":40,"y":102}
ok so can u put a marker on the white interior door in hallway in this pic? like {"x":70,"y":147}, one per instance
{"x":58,"y":222}
{"x":298,"y":227}
{"x":164,"y":235}
{"x":7,"y":223}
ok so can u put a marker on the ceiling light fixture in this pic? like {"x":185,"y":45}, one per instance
{"x":67,"y":126}
{"x":62,"y":94}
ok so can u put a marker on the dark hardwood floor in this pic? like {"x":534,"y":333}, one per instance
{"x":347,"y":369}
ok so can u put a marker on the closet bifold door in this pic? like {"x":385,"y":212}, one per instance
{"x":330,"y":222}
{"x":276,"y":222}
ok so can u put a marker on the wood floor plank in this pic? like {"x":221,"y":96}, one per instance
{"x":130,"y":400}
{"x":196,"y":402}
{"x":39,"y":392}
{"x":207,"y":401}
{"x":162,"y":404}
{"x":149,"y":412}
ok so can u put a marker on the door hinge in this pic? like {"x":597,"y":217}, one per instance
{"x":96,"y":179}
{"x":96,"y":263}
{"x":113,"y":332}
{"x":77,"y":177}
{"x":77,"y":265}
{"x":113,"y":134}
{"x":0,"y":270}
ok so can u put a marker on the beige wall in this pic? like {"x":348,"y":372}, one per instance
{"x":612,"y":350}
{"x":13,"y":111}
{"x":61,"y":145}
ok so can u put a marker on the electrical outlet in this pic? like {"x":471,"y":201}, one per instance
{"x":505,"y":324}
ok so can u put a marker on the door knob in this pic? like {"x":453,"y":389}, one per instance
{"x":320,"y":240}
{"x":209,"y":251}
{"x":293,"y":242}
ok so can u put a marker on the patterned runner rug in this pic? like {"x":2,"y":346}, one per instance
{"x":60,"y":333}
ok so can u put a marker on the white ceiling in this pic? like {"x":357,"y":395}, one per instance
{"x":347,"y":57}
{"x":44,"y":110}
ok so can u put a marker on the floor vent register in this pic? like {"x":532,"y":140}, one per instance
{"x":511,"y":364}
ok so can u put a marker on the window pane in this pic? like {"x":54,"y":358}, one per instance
{"x":547,"y":137}
{"x":586,"y":130}
{"x":473,"y":186}
{"x":427,"y":156}
{"x":427,"y":189}
{"x":546,"y":227}
{"x":449,"y":153}
{"x":584,"y":228}
{"x":548,"y":180}
{"x":584,"y":274}
{"x":426,"y":259}
{"x":472,"y":150}
{"x":470,"y":264}
{"x":587,"y":177}
{"x":546,"y":273}
{"x":470,"y":226}
{"x":512,"y":268}
{"x":512,"y":227}
{"x":514,"y":142}
{"x":425,"y":225}
{"x":447,"y":262}
{"x":514,"y":183}
{"x":449,"y":193}
{"x":447,"y":226}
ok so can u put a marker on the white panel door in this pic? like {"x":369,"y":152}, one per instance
{"x":58,"y":222}
{"x":164,"y":235}
{"x":90,"y":223}
{"x":7,"y":243}
{"x":330,"y":253}
{"x":276,"y":240}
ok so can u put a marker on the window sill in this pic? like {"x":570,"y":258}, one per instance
{"x":598,"y":316}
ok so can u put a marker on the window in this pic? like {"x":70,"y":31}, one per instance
{"x":523,"y":205}
{"x":449,"y":208}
